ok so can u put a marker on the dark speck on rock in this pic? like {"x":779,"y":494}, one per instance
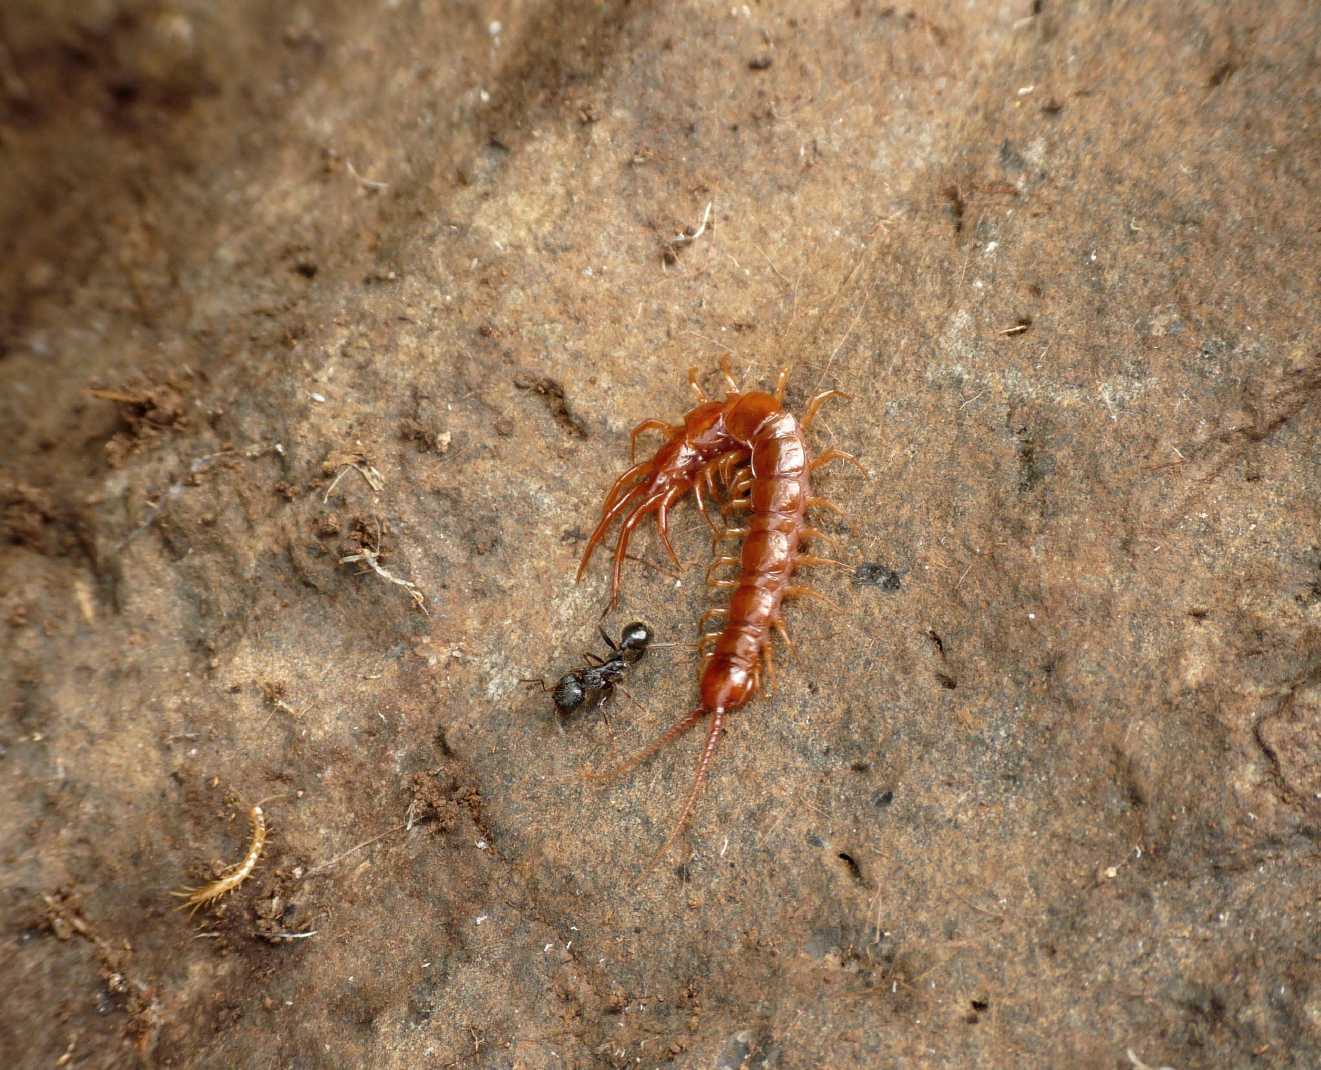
{"x":874,"y":574}
{"x":882,"y":799}
{"x":814,"y":840}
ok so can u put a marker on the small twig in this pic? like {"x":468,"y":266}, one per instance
{"x":681,"y":239}
{"x":287,"y":936}
{"x":367,"y":183}
{"x":365,"y":843}
{"x":374,"y":479}
{"x":1138,"y":1064}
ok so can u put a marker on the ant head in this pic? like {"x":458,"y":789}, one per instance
{"x":635,"y":637}
{"x":569,"y":693}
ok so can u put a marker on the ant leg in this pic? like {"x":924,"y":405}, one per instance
{"x":606,"y":692}
{"x":647,"y":425}
{"x":833,"y":454}
{"x":593,"y":660}
{"x":608,"y":641}
{"x":667,"y":737}
{"x":808,"y":592}
{"x":693,"y":382}
{"x":538,"y":681}
{"x":719,"y":562}
{"x":704,"y":764}
{"x":815,"y":404}
{"x":780,"y":382}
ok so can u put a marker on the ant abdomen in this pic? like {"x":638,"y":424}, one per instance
{"x":569,"y":693}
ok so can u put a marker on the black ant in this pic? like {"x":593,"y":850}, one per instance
{"x":602,"y":675}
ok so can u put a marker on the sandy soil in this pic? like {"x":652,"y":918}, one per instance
{"x":286,"y":284}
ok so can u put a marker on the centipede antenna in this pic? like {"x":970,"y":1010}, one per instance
{"x":699,"y":781}
{"x":659,"y":743}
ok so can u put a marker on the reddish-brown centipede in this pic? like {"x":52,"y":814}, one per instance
{"x":719,"y":437}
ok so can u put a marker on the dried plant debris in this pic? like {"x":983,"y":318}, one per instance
{"x":362,"y":548}
{"x":147,"y":413}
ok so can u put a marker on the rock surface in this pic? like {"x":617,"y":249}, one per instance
{"x":288,"y":284}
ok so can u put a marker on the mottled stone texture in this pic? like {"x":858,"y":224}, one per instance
{"x":1045,"y":791}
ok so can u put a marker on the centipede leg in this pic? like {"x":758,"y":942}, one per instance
{"x":780,"y":381}
{"x":727,"y":533}
{"x":663,"y":740}
{"x":815,"y":404}
{"x":648,"y":425}
{"x":663,"y":523}
{"x":621,"y":547}
{"x":703,"y":765}
{"x":696,"y":385}
{"x":726,"y":369}
{"x":618,"y":487}
{"x":829,"y":507}
{"x":604,"y":525}
{"x":833,"y":454}
{"x":730,"y":462}
{"x":808,"y":592}
{"x":769,"y":658}
{"x":807,"y":534}
{"x":778,"y":625}
{"x":708,"y":615}
{"x":725,"y":465}
{"x":701,"y":507}
{"x":719,"y":562}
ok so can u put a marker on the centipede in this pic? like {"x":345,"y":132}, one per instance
{"x":232,"y":876}
{"x":760,"y":453}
